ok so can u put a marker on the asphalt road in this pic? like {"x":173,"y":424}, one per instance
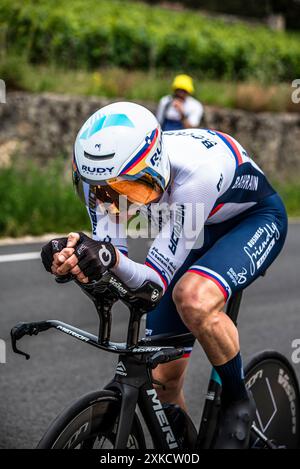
{"x":33,"y":392}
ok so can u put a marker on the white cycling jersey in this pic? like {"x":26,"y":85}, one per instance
{"x":209,"y":170}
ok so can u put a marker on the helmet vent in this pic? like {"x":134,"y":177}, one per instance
{"x":99,"y":157}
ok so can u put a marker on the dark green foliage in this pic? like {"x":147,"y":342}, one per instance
{"x":95,"y":33}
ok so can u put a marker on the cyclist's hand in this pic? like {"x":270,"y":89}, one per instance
{"x":66,"y":261}
{"x":94,"y":257}
{"x":50,"y":252}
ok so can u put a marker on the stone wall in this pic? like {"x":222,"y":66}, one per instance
{"x":45,"y":125}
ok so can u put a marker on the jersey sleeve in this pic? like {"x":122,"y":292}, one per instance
{"x":189,"y":207}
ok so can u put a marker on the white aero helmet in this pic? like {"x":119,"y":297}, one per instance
{"x":119,"y":150}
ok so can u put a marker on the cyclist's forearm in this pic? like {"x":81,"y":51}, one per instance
{"x":134,"y":274}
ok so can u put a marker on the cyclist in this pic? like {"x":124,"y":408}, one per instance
{"x":120,"y":150}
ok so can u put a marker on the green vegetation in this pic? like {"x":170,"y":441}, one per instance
{"x":142,"y":86}
{"x":290,"y":193}
{"x":37,"y":200}
{"x":94,"y":33}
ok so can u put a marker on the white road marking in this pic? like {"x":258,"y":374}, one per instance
{"x":23,"y":256}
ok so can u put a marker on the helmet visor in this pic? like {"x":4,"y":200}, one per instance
{"x":143,"y":190}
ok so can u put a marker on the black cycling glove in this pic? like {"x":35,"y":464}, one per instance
{"x":48,"y":251}
{"x":94,"y":257}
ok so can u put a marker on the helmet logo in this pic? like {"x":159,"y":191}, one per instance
{"x":98,"y":146}
{"x":93,"y":170}
{"x":156,"y":157}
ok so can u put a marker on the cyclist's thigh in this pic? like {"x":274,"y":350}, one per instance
{"x":247,"y":250}
{"x":164,"y":319}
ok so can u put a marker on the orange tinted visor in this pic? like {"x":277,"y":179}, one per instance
{"x":140,"y":191}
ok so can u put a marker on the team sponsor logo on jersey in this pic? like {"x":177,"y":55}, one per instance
{"x":208,"y":143}
{"x":177,"y":229}
{"x":260,"y":245}
{"x":238,"y":278}
{"x":247,"y":182}
{"x":92,"y":211}
{"x":219,"y":185}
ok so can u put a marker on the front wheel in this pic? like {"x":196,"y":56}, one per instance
{"x":91,"y":423}
{"x":275,"y":389}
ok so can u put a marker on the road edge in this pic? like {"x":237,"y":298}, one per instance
{"x":47,"y":236}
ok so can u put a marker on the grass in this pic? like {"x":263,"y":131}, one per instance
{"x":142,"y":86}
{"x":290,"y":193}
{"x":36,"y":200}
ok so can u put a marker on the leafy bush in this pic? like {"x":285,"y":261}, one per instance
{"x":93,"y":33}
{"x":38,"y":200}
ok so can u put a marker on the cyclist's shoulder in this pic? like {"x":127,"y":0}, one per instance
{"x":195,"y":149}
{"x":189,"y":168}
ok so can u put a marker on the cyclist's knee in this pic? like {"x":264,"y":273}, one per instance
{"x":198,"y":302}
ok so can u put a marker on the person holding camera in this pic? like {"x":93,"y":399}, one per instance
{"x":180,"y":110}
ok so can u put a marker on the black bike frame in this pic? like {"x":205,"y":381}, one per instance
{"x":133,"y":378}
{"x":136,"y":388}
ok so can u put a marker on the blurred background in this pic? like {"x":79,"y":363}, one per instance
{"x":61,"y":61}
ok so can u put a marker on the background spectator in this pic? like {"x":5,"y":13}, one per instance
{"x":180,"y":110}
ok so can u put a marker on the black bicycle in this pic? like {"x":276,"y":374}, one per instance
{"x":107,"y":418}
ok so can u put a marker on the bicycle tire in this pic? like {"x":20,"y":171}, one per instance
{"x":274,"y":385}
{"x":90,"y":423}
